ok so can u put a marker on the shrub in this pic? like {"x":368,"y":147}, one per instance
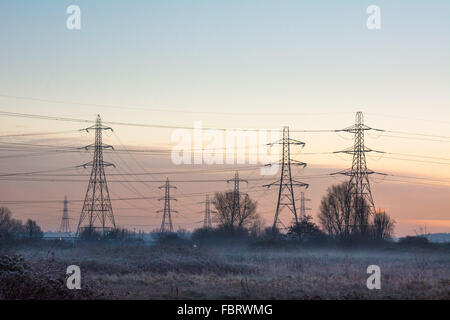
{"x":414,"y":241}
{"x":169,"y":238}
{"x":21,"y":281}
{"x":306,"y":231}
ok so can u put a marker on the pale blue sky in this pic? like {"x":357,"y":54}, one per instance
{"x":295,"y":56}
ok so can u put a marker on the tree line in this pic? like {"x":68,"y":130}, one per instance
{"x":13,"y":229}
{"x":342,"y":216}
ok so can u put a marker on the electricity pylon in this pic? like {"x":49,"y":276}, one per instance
{"x":286,"y":192}
{"x":236,"y":207}
{"x":65,"y":227}
{"x":207,"y":221}
{"x":303,"y":207}
{"x":97,"y":212}
{"x":166,"y":224}
{"x":359,"y":173}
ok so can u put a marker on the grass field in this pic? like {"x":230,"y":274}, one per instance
{"x":221,"y":272}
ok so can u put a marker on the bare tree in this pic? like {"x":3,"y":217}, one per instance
{"x":7,"y":224}
{"x":32,"y":229}
{"x":337,"y":212}
{"x":230,"y":218}
{"x":5,"y":217}
{"x":305,"y":229}
{"x":382,"y":225}
{"x":13,"y":228}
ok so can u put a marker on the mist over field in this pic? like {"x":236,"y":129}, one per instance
{"x":228,"y":271}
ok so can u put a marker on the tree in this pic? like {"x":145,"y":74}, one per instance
{"x":5,"y":222}
{"x":335,"y":210}
{"x":382,"y":225}
{"x":13,"y":228}
{"x":337,"y":215}
{"x":5,"y":218}
{"x":32,"y":229}
{"x":305,"y":229}
{"x":9,"y":227}
{"x":231,"y":219}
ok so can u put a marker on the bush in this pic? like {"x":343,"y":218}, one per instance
{"x":414,"y":241}
{"x":169,"y":238}
{"x":221,"y":236}
{"x":22,"y":281}
{"x":306,"y":231}
{"x":13,"y":229}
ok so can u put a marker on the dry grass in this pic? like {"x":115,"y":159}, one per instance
{"x":157,"y":272}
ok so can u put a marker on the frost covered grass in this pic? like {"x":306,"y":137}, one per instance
{"x":221,"y":272}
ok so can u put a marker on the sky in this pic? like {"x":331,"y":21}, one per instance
{"x":309,"y":65}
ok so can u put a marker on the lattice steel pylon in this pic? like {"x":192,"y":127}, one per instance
{"x":236,"y":208}
{"x":286,"y":196}
{"x":65,"y":226}
{"x":303,"y":207}
{"x":359,"y":173}
{"x":166,"y":223}
{"x":207,"y":221}
{"x":97,"y":213}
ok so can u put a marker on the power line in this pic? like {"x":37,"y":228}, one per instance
{"x":43,"y":117}
{"x":181,"y":171}
{"x":116,"y":123}
{"x":162,"y":110}
{"x":193,"y":194}
{"x":32,"y":134}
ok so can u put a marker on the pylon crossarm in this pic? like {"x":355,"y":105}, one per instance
{"x":275,"y":183}
{"x":167,"y":198}
{"x":162,"y":210}
{"x":107,"y":146}
{"x":108,"y":164}
{"x":364,"y":149}
{"x":295,"y":142}
{"x":97,"y":127}
{"x":275,"y":142}
{"x":343,"y":172}
{"x":287,"y":141}
{"x":234,"y":180}
{"x":272,"y":163}
{"x":345,"y":150}
{"x":86,"y":147}
{"x":93,"y":146}
{"x":356,"y":128}
{"x":299,"y":183}
{"x":297,"y":163}
{"x":91,"y":164}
